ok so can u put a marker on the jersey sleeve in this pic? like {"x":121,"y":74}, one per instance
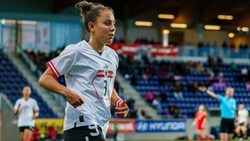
{"x":16,"y":105}
{"x":220,"y":98}
{"x":117,"y":60}
{"x":35,"y":106}
{"x":234,"y":104}
{"x":63,"y":63}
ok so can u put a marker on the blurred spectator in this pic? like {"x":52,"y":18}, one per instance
{"x":133,"y":80}
{"x":248,"y":86}
{"x":177,"y":112}
{"x":220,"y":84}
{"x":218,"y":71}
{"x":219,"y":61}
{"x":200,"y":44}
{"x":233,"y":47}
{"x":192,"y":86}
{"x":174,"y":111}
{"x":163,"y":96}
{"x":177,"y":90}
{"x":224,"y":44}
{"x":141,"y":114}
{"x":149,"y":97}
{"x":157,"y":104}
{"x":233,"y":66}
{"x":215,"y":44}
{"x":244,"y":75}
{"x":200,"y":67}
{"x":131,"y":103}
{"x":210,"y":62}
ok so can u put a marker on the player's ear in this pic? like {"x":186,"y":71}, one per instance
{"x":91,"y":27}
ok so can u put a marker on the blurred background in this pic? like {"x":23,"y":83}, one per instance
{"x":166,"y":49}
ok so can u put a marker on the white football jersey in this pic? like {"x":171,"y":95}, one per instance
{"x":242,"y":115}
{"x":91,"y":76}
{"x":26,"y":111}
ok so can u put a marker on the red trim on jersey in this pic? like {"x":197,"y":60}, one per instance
{"x":110,"y":72}
{"x":100,"y":71}
{"x":99,"y":75}
{"x":53,"y":68}
{"x":96,"y":93}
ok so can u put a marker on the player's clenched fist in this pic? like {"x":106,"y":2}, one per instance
{"x":74,"y":99}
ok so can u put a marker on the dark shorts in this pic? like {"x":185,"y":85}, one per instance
{"x":84,"y":133}
{"x":22,"y":128}
{"x":227,"y":125}
{"x":243,"y":124}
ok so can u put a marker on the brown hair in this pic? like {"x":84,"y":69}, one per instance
{"x":90,"y":11}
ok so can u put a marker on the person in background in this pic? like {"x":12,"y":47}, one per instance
{"x":26,"y":109}
{"x":227,"y":107}
{"x":116,"y":130}
{"x":242,"y":122}
{"x":201,"y":122}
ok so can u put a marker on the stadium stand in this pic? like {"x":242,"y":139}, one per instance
{"x":12,"y":81}
{"x":170,"y":87}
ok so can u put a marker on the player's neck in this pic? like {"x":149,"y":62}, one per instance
{"x":26,"y":98}
{"x":97,"y":47}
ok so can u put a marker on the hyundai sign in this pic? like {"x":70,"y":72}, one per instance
{"x":160,"y":125}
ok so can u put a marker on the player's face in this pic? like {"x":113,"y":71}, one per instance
{"x":104,"y":28}
{"x":201,"y":108}
{"x":26,"y":91}
{"x":241,"y":106}
{"x":230,"y":92}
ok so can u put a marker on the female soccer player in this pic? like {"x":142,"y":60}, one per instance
{"x":27,"y":110}
{"x":228,"y":107}
{"x":201,"y":121}
{"x":89,"y":68}
{"x":242,"y":122}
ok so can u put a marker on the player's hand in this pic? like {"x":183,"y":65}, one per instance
{"x":74,"y":99}
{"x":122,"y":109}
{"x":34,"y":116}
{"x":202,"y":88}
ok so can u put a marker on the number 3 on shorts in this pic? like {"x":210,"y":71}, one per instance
{"x":96,"y":133}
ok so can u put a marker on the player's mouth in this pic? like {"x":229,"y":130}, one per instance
{"x":111,"y":36}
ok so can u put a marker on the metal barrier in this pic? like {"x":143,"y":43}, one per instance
{"x":8,"y":121}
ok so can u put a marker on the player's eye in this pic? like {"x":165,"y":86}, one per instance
{"x":109,"y":23}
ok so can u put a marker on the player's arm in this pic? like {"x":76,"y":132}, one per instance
{"x":205,"y":90}
{"x":115,"y":98}
{"x":247,"y":120}
{"x":204,"y":123}
{"x":16,"y":109}
{"x":121,"y":105}
{"x":36,"y":114}
{"x":35,"y":109}
{"x":194,"y":122}
{"x":48,"y":80}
